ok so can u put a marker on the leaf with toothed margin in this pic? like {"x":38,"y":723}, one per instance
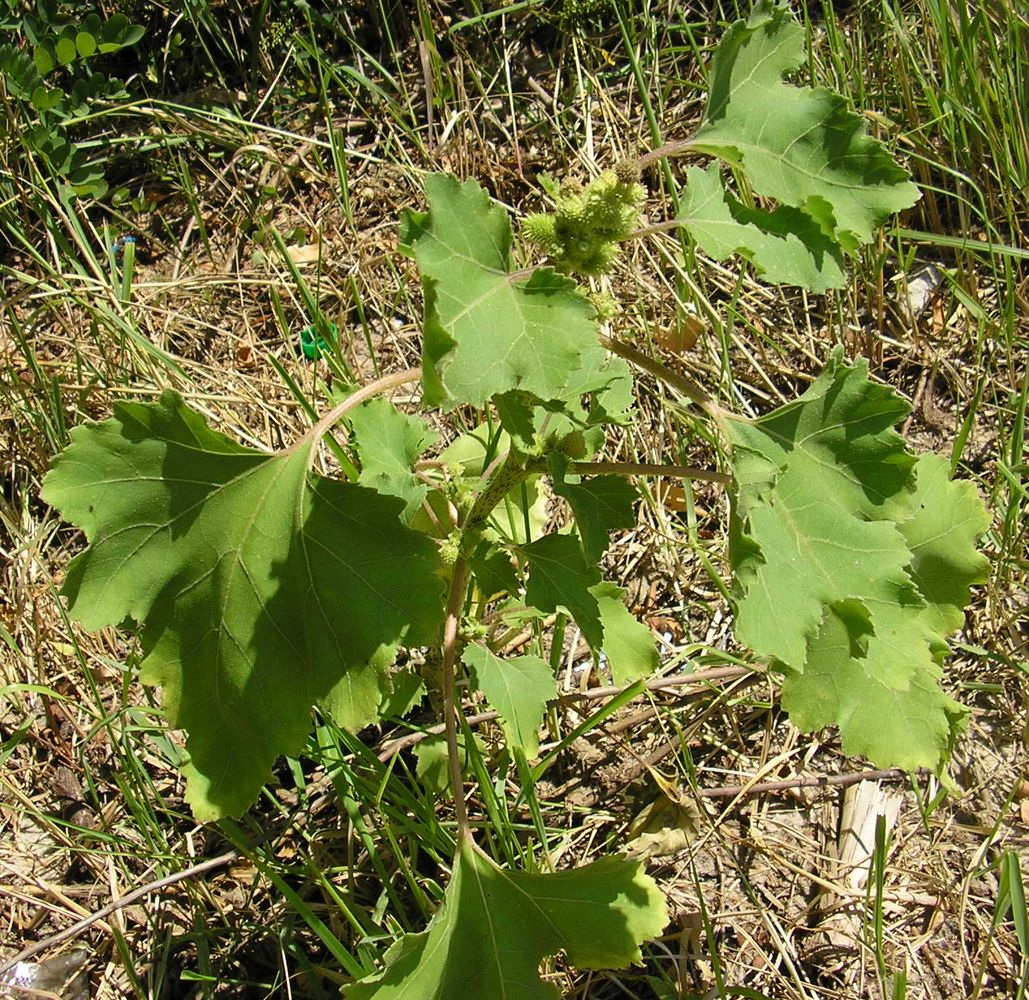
{"x":559,"y":576}
{"x":262,"y":589}
{"x":388,"y":444}
{"x":853,"y":561}
{"x":785,"y":246}
{"x":487,"y":330}
{"x":800,"y":146}
{"x":518,"y":688}
{"x":601,"y":504}
{"x":629,"y":645}
{"x":496,"y":926}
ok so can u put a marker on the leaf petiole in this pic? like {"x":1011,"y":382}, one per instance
{"x":363,"y":394}
{"x":455,"y":604}
{"x":652,"y":366}
{"x":635,"y":469}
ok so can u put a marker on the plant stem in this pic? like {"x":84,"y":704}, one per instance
{"x":819,"y":781}
{"x":455,"y":601}
{"x":700,"y":679}
{"x":636,"y":469}
{"x":667,"y":226}
{"x":686,"y":386}
{"x":679,"y":147}
{"x":202,"y":868}
{"x":361,"y":395}
{"x":510,"y":473}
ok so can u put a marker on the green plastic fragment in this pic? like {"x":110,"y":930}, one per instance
{"x":313,"y":344}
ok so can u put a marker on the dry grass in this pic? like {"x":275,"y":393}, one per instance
{"x":91,"y":805}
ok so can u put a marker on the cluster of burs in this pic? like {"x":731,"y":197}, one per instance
{"x":582,"y":234}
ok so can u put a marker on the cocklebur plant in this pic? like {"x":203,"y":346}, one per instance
{"x":264,"y":588}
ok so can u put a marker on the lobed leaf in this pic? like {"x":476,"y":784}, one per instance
{"x":495,"y":927}
{"x":262,"y":590}
{"x":798,"y":145}
{"x":628,"y":644}
{"x":785,"y":246}
{"x":518,"y":688}
{"x":600,"y":504}
{"x":388,"y":443}
{"x":853,"y":563}
{"x":488,"y":331}
{"x":559,"y":576}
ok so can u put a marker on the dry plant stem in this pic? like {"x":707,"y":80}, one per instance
{"x":826,"y":780}
{"x":704,"y":679}
{"x":356,"y":399}
{"x":681,"y":383}
{"x":120,"y":903}
{"x":455,"y":601}
{"x":658,"y":227}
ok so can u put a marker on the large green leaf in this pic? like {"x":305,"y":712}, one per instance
{"x":262,"y":590}
{"x":488,"y":331}
{"x":495,"y":927}
{"x":798,"y":145}
{"x":784,"y":246}
{"x":628,"y":644}
{"x":940,"y":522}
{"x":895,"y":676}
{"x":853,"y":563}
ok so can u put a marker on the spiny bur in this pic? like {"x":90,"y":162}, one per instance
{"x":587,"y":224}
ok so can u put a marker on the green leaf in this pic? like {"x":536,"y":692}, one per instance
{"x":65,"y":50}
{"x":474,"y":450}
{"x":527,"y":418}
{"x":518,"y":688}
{"x":85,"y":44}
{"x":114,"y":28}
{"x":628,"y":644}
{"x":601,"y":505}
{"x":940,"y":522}
{"x":785,"y":246}
{"x":407,"y":691}
{"x":388,"y":444}
{"x":433,"y":766}
{"x":522,"y":417}
{"x":117,"y":33}
{"x":44,"y":98}
{"x":132,"y":34}
{"x":560,"y":577}
{"x":495,"y":573}
{"x":20,"y":73}
{"x":881,"y":688}
{"x":853,"y":563}
{"x":44,"y":57}
{"x":488,"y":331}
{"x":239,"y":564}
{"x":798,"y":145}
{"x":495,"y":927}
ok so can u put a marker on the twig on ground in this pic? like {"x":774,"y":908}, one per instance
{"x":120,"y":903}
